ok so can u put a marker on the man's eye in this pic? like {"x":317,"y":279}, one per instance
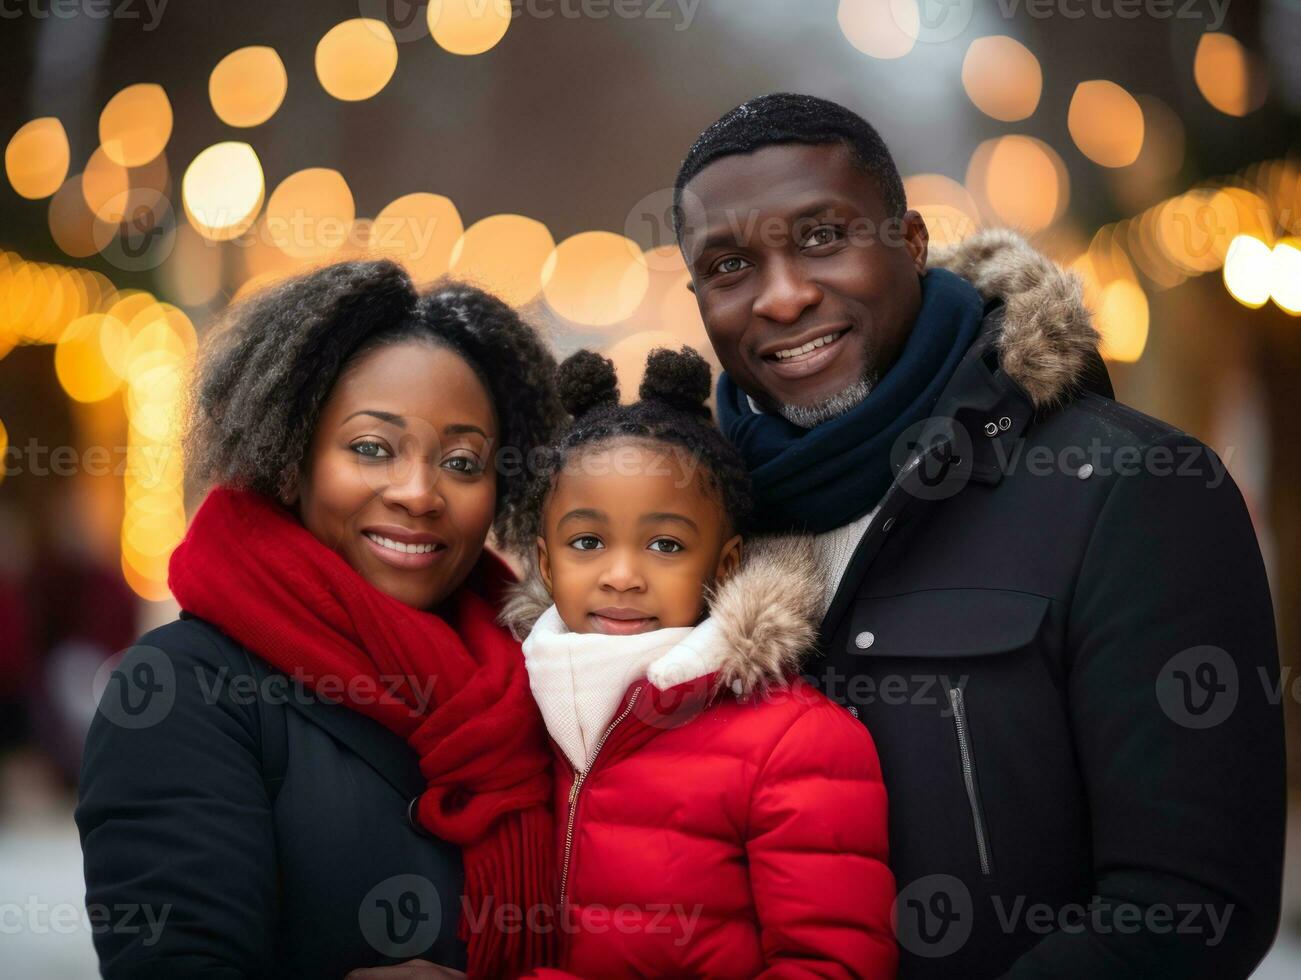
{"x":371,"y":449}
{"x":464,"y":464}
{"x":666,"y":546}
{"x":586,"y":542}
{"x":733,"y":263}
{"x":822,"y":235}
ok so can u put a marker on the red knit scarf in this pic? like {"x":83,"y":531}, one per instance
{"x":251,"y":569}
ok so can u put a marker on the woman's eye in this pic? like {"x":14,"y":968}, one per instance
{"x":822,"y":235}
{"x":587,"y":542}
{"x":371,"y":449}
{"x":666,"y":546}
{"x":733,"y":263}
{"x":464,"y":464}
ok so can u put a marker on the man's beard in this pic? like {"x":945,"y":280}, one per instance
{"x":808,"y":416}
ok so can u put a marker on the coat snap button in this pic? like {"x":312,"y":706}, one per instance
{"x":991,"y":428}
{"x":1005,"y":423}
{"x":412,"y":819}
{"x":864,"y":640}
{"x":1085,"y":471}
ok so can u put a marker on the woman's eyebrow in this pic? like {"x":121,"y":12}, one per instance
{"x":461,"y":428}
{"x":397,"y":420}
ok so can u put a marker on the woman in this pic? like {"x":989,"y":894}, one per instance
{"x":331,"y":760}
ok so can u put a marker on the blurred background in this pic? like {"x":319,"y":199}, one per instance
{"x":163,"y":159}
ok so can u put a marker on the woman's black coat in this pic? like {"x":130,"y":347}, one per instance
{"x":262,"y":830}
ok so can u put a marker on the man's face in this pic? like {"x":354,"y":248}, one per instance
{"x":793,"y":246}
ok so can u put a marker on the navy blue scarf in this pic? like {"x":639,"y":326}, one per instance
{"x":825,"y":477}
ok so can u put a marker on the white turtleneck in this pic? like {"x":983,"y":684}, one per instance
{"x":579,"y":679}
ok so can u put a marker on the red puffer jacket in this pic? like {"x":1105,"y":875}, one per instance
{"x":727,"y":823}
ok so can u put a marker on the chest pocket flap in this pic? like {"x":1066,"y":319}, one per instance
{"x":945,"y":623}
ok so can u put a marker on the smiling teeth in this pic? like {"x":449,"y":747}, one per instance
{"x":406,"y":549}
{"x":782,"y":355}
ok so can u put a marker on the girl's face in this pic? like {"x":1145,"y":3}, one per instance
{"x":630,"y":539}
{"x":399,"y":478}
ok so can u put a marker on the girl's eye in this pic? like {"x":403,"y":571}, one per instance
{"x":733,"y":263}
{"x":371,"y":449}
{"x":666,"y":546}
{"x":586,"y":542}
{"x":464,"y":464}
{"x":822,"y":235}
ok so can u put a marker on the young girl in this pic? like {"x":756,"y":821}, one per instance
{"x":716,"y":816}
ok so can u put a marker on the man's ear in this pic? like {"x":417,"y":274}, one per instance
{"x":916,"y":239}
{"x":729,"y":561}
{"x":544,"y":563}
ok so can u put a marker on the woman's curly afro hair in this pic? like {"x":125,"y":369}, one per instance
{"x":268,"y":371}
{"x":672,"y":411}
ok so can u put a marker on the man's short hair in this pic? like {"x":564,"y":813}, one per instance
{"x":784,"y":117}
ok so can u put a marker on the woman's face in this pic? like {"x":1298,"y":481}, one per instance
{"x":400,"y":477}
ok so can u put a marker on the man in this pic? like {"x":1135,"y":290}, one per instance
{"x":1049,"y":609}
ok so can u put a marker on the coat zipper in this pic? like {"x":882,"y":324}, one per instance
{"x":969,"y":776}
{"x":578,"y":785}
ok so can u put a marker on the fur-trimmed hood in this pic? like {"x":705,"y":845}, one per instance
{"x":1047,"y":342}
{"x":762,"y":620}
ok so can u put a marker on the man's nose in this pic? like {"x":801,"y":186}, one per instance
{"x":786,"y":292}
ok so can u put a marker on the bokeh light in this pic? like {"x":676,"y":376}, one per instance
{"x":222,"y":190}
{"x":136,"y":125}
{"x":79,"y":360}
{"x":104,"y":185}
{"x":1285,"y":277}
{"x":1020,"y":180}
{"x":504,"y":253}
{"x":248,"y":86}
{"x":468,"y":27}
{"x":1002,"y":78}
{"x":37,"y":157}
{"x":418,"y":230}
{"x":595,"y":278}
{"x":1106,"y":123}
{"x":1227,"y":75}
{"x":310,"y":214}
{"x":883,"y":29}
{"x":945,"y":205}
{"x":1248,"y":270}
{"x":356,"y":59}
